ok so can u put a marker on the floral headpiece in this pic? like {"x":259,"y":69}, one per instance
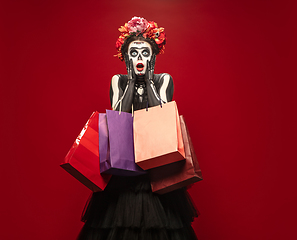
{"x":140,"y":26}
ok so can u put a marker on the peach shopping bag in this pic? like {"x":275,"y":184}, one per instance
{"x":157,"y":136}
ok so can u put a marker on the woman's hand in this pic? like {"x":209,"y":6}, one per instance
{"x":122,"y":100}
{"x":129,"y":67}
{"x":149,"y":75}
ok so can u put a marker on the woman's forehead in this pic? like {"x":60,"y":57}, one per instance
{"x":139,"y":44}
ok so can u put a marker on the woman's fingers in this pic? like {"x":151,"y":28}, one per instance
{"x":130,"y":71}
{"x":153,"y":60}
{"x":127,"y":62}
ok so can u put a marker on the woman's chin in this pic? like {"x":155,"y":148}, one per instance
{"x":140,"y":73}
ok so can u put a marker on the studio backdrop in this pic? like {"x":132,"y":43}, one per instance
{"x":233,"y":65}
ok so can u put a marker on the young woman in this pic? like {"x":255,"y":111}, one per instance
{"x":128,"y":209}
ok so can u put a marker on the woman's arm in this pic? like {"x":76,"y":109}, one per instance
{"x":164,"y":93}
{"x":122,"y":100}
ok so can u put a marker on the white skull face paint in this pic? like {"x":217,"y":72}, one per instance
{"x":140,"y":52}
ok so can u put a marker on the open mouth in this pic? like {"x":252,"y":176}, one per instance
{"x":139,"y":67}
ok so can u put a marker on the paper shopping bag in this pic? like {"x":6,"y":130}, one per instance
{"x":82,"y":160}
{"x":157,"y":136}
{"x":116,"y":148}
{"x":179,"y":174}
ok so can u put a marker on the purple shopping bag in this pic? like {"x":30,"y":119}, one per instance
{"x":116,"y":147}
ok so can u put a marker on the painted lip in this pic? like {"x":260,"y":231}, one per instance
{"x":139,"y":67}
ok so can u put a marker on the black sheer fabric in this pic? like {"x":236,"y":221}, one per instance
{"x":128,"y":209}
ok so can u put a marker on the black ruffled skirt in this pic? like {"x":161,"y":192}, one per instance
{"x":128,"y":210}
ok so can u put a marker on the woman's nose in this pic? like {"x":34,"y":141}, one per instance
{"x":139,"y":57}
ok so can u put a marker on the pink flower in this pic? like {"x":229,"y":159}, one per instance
{"x":137,"y":25}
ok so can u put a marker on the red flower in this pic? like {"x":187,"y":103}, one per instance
{"x":119,"y":42}
{"x":160,"y":39}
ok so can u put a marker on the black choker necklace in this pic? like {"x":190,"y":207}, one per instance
{"x":140,"y":78}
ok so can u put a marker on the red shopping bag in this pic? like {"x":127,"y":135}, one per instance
{"x":82,"y":160}
{"x":179,"y":174}
{"x":157,"y":136}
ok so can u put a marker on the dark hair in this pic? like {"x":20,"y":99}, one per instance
{"x":124,"y":48}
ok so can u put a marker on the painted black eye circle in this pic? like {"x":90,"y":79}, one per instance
{"x":145,"y":53}
{"x":133,"y":53}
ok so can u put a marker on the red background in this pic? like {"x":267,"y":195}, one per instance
{"x":234,"y":69}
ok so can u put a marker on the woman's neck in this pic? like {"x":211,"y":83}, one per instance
{"x":140,"y":78}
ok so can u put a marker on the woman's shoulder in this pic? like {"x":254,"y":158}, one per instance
{"x":119,"y":79}
{"x":163,"y":78}
{"x":162,"y":75}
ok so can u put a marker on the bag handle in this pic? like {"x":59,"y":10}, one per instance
{"x":120,"y":102}
{"x":121,"y":109}
{"x":160,"y":104}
